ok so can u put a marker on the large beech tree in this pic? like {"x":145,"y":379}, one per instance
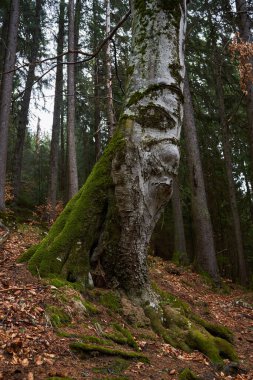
{"x":107,"y":226}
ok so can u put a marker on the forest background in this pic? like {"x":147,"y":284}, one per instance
{"x":214,"y":186}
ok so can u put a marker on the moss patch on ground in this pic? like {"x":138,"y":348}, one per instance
{"x":58,"y":316}
{"x":187,"y":374}
{"x":111,"y":300}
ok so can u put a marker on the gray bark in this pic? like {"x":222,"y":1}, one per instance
{"x":23,"y":115}
{"x":110,"y":111}
{"x":205,"y":249}
{"x":71,"y":146}
{"x":179,"y":242}
{"x":58,"y":103}
{"x":5,"y":94}
{"x":241,"y":264}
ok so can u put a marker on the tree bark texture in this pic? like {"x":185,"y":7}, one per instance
{"x":108,"y":224}
{"x":58,"y":103}
{"x":244,"y":23}
{"x":23,"y":115}
{"x":205,"y":250}
{"x":241,"y":264}
{"x":5,"y":94}
{"x":71,"y":146}
{"x":180,"y":242}
{"x":110,"y":110}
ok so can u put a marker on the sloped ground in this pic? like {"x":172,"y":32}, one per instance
{"x":40,"y":320}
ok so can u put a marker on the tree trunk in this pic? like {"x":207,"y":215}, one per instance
{"x":71,"y":148}
{"x":110,"y":111}
{"x":58,"y":103}
{"x":180,"y":252}
{"x":205,"y":250}
{"x":110,"y":221}
{"x":97,"y":84}
{"x":244,"y":23}
{"x":241,"y":264}
{"x":23,"y":115}
{"x":97,"y":132}
{"x":5,"y":94}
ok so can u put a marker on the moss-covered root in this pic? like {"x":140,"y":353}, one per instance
{"x":215,"y":348}
{"x":84,"y":348}
{"x":173,"y":336}
{"x":187,"y":374}
{"x":189,"y":332}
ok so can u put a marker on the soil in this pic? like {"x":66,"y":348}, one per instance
{"x":34,"y":346}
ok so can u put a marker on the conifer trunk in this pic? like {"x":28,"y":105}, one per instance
{"x":205,"y":249}
{"x":179,"y":235}
{"x":23,"y":115}
{"x":108,"y":224}
{"x":240,"y":262}
{"x":5,"y":94}
{"x":110,"y":111}
{"x":71,"y":145}
{"x":58,"y":104}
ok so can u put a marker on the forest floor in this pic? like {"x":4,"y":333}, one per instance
{"x":39,"y":320}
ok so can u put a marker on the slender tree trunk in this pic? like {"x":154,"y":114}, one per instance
{"x":97,"y":119}
{"x":23,"y":116}
{"x":110,"y":111}
{"x":97,"y":132}
{"x":72,"y":165}
{"x":110,"y":221}
{"x":5,"y":94}
{"x":3,"y":39}
{"x":180,"y":243}
{"x":58,"y":103}
{"x":205,"y":249}
{"x":245,"y":23}
{"x":241,"y":264}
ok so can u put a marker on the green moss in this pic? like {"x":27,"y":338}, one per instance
{"x":215,"y":348}
{"x":87,"y":348}
{"x":197,"y":340}
{"x":156,"y":323}
{"x":58,"y":316}
{"x":214,"y":329}
{"x":226,"y":350}
{"x":187,"y":374}
{"x":90,"y":307}
{"x":111,"y":300}
{"x":170,"y":299}
{"x":116,"y":367}
{"x":128,"y":336}
{"x":65,"y":250}
{"x":116,"y":338}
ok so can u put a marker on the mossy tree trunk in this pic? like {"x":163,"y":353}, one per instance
{"x":108,"y":224}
